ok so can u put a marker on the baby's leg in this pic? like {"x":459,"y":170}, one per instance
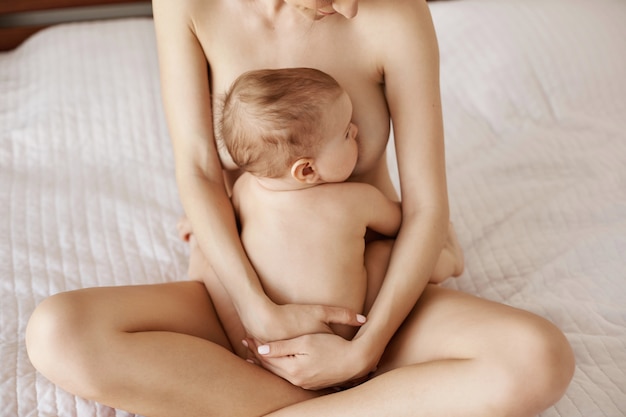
{"x":451,"y":262}
{"x":377,"y":254}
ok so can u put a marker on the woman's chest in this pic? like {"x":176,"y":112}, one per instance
{"x":361,"y":81}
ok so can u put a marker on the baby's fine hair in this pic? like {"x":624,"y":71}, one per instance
{"x":273,"y":117}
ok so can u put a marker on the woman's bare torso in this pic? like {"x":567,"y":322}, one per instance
{"x":246,"y":37}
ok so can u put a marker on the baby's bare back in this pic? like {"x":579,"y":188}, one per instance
{"x":307,"y":246}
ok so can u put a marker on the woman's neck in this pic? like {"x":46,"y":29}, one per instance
{"x":275,"y":10}
{"x":269,"y":8}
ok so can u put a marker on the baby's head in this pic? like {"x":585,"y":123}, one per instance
{"x":272,"y":118}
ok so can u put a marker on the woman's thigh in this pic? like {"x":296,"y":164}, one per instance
{"x":154,"y":350}
{"x":74,"y":325}
{"x":515,"y":361}
{"x":450,"y":325}
{"x":181,"y":307}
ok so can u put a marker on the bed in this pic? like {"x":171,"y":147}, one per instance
{"x":534,"y":96}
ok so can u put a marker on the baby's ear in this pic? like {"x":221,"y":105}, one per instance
{"x":303,"y":170}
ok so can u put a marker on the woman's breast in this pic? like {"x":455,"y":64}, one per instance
{"x":370,"y":114}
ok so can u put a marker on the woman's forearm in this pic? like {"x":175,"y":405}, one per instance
{"x":211,"y":215}
{"x":416,"y":251}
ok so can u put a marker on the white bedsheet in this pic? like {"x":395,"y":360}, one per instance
{"x":534,"y":96}
{"x":87,"y":180}
{"x":535,"y":112}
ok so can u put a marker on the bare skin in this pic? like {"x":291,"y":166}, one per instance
{"x":161,"y":351}
{"x":304,"y":230}
{"x":288,"y":233}
{"x":286,"y":37}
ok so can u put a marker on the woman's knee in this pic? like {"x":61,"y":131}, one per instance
{"x":60,"y":340}
{"x":535,"y":366}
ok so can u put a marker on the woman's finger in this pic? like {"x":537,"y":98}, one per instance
{"x":339,"y":315}
{"x":281,"y":348}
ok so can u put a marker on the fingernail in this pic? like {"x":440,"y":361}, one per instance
{"x":361,"y":318}
{"x":263,"y":349}
{"x":244,"y":342}
{"x":250,"y":361}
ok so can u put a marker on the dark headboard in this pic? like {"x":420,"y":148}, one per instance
{"x":20,"y":19}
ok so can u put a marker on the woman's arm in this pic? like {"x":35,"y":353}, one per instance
{"x":187,"y":102}
{"x":411,"y":70}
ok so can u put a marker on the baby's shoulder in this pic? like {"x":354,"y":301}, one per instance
{"x":349,"y":192}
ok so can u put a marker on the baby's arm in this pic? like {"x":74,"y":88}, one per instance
{"x":381,"y":214}
{"x":385,"y":217}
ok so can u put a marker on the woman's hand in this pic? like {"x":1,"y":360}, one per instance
{"x":288,"y":321}
{"x":315,"y":361}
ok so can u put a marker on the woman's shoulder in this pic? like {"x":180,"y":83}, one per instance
{"x":393,"y":10}
{"x":189,"y":10}
{"x":390,"y":23}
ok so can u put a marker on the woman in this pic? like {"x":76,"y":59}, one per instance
{"x":427,"y":351}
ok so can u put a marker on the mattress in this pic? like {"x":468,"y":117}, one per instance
{"x":534,"y":99}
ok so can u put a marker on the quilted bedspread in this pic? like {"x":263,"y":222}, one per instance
{"x":534,"y":96}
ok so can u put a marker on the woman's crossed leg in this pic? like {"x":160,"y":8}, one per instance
{"x":159,"y":350}
{"x":459,"y":355}
{"x":156,"y":350}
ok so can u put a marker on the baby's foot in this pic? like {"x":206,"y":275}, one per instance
{"x":184,"y":228}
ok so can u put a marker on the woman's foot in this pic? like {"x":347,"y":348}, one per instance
{"x":453,"y":245}
{"x":184,"y":228}
{"x":451,"y":262}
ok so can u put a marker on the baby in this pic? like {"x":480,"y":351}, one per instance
{"x":302,"y":225}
